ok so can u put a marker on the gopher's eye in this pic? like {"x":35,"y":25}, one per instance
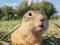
{"x":30,"y":14}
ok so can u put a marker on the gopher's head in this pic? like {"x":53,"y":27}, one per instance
{"x":36,"y":20}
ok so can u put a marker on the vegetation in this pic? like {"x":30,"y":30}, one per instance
{"x":10,"y":17}
{"x":10,"y":13}
{"x":49,"y":38}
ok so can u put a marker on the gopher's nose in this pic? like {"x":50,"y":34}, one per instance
{"x":42,"y":20}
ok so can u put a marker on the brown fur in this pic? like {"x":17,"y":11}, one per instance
{"x":29,"y":33}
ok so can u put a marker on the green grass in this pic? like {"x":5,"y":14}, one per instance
{"x":7,"y":26}
{"x":53,"y":29}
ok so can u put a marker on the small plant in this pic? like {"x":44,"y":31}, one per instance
{"x":57,"y":25}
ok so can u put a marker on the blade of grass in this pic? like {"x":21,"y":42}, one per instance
{"x":10,"y":32}
{"x":57,"y":25}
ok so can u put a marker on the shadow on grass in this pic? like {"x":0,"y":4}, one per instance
{"x":51,"y":41}
{"x":46,"y":40}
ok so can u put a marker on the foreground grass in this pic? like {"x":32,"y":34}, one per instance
{"x":51,"y":37}
{"x":6,"y":27}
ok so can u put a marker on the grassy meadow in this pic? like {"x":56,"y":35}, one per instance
{"x":51,"y":37}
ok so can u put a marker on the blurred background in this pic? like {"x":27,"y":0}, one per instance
{"x":12,"y":11}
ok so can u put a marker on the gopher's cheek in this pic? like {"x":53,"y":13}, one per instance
{"x":37,"y":29}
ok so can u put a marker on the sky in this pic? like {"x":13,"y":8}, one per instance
{"x":56,"y":4}
{"x":14,"y":3}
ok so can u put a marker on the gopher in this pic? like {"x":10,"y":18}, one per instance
{"x":31,"y":29}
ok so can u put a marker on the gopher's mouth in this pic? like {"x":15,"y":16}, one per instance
{"x":41,"y":26}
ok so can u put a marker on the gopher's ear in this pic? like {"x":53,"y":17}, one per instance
{"x":27,"y":16}
{"x":30,"y":13}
